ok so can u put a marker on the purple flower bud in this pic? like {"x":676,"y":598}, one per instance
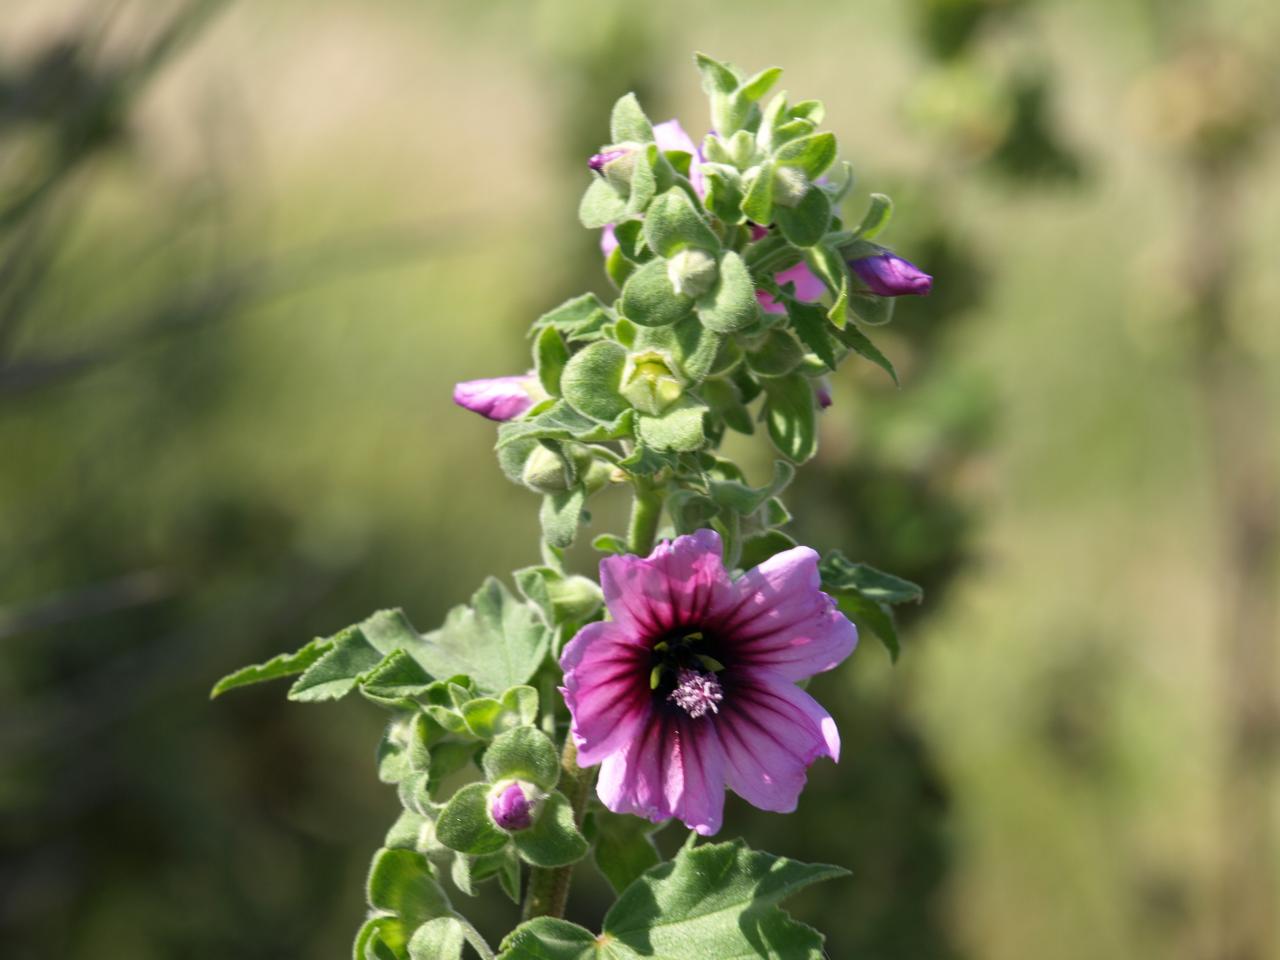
{"x":498,"y":398}
{"x":511,"y":809}
{"x":889,"y":275}
{"x":598,"y":160}
{"x":822,"y":391}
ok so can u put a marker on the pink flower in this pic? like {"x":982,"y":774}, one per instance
{"x":669,"y":135}
{"x":808,"y":287}
{"x":511,"y":809}
{"x":498,"y":398}
{"x":889,"y":275}
{"x":691,"y":685}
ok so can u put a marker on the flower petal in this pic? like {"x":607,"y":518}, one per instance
{"x":808,"y":287}
{"x":669,"y":135}
{"x":678,"y":584}
{"x":771,"y":731}
{"x":781,"y":619}
{"x":606,"y":686}
{"x":498,"y":398}
{"x":675,"y":767}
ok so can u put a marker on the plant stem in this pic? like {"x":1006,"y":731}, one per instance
{"x":646,"y":511}
{"x":548,"y":893}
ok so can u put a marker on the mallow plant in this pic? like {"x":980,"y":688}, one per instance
{"x":572,"y":717}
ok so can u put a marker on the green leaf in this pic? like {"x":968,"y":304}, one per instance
{"x":400,"y":883}
{"x":487,"y":717}
{"x":680,"y":428}
{"x":497,"y":640}
{"x":591,"y":381}
{"x":725,"y":401}
{"x":283,"y":665}
{"x":757,"y":86}
{"x":601,"y":205}
{"x":561,"y":422}
{"x":609,"y":543}
{"x":756,"y":550}
{"x":550,"y":356}
{"x":561,"y":515}
{"x":810,"y":324}
{"x":394,"y":681}
{"x":578,"y":318}
{"x":877,"y":216}
{"x":336,"y":673}
{"x":406,"y":832}
{"x":840,"y":573}
{"x":861,"y":344}
{"x":869,"y":615}
{"x":724,"y":192}
{"x":872,"y":310}
{"x":525,"y":753}
{"x":465,"y":824}
{"x":717,"y":77}
{"x":554,"y":839}
{"x":731,"y":304}
{"x":790,"y":416}
{"x":560,"y":598}
{"x":690,"y":345}
{"x":806,"y":223}
{"x":643,"y":182}
{"x":714,"y":901}
{"x":743,"y":499}
{"x":758,"y":203}
{"x":624,"y":847}
{"x":672,"y":223}
{"x":627,"y":122}
{"x":650,"y":300}
{"x":777,"y":354}
{"x":438,"y":939}
{"x":812,"y":154}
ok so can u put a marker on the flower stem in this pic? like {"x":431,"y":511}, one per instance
{"x":548,"y":893}
{"x":646,"y":511}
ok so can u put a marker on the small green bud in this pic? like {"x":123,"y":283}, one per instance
{"x":692,"y":272}
{"x":574,"y":598}
{"x":649,"y":384}
{"x":545,"y":472}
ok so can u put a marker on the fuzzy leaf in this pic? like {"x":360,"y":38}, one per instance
{"x":680,"y":428}
{"x":861,"y":344}
{"x":465,"y":824}
{"x":592,"y":378}
{"x":283,"y":665}
{"x":806,"y":223}
{"x":601,"y":205}
{"x":524,"y":753}
{"x":731,"y":304}
{"x":790,"y":416}
{"x":561,"y":514}
{"x":554,"y":839}
{"x":650,"y":300}
{"x":672,"y":224}
{"x":628,"y":122}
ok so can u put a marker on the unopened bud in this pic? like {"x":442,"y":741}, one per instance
{"x":692,"y":272}
{"x":545,"y":471}
{"x":513,"y":805}
{"x":648,"y":383}
{"x":789,"y":186}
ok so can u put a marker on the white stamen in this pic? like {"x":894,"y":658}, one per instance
{"x":696,"y":693}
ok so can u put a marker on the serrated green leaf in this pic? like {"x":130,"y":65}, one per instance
{"x":497,"y":640}
{"x":730,"y":305}
{"x":524,"y":753}
{"x":650,"y":300}
{"x":841,"y":573}
{"x":554,"y":839}
{"x":283,"y":665}
{"x":464,"y":824}
{"x":861,"y":344}
{"x":395,"y":680}
{"x":577,"y":318}
{"x":336,"y":673}
{"x":592,"y":378}
{"x":809,"y":321}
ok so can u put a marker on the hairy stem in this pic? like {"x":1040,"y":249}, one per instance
{"x":646,"y":511}
{"x":548,"y":893}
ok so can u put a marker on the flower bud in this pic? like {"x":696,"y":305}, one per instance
{"x":544,"y":470}
{"x":822,"y":392}
{"x":513,"y":805}
{"x":499,"y":398}
{"x":599,"y":160}
{"x":617,"y":164}
{"x":889,"y":275}
{"x":574,"y":597}
{"x":789,"y":186}
{"x":649,"y":384}
{"x":692,"y":272}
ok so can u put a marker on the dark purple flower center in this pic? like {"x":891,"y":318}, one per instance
{"x":684,"y":670}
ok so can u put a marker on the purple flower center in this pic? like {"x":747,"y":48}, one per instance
{"x":696,"y":693}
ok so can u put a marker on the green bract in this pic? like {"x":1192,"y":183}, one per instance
{"x":734,"y":301}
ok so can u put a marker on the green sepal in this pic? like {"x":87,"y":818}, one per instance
{"x":791,"y":417}
{"x":524,"y":753}
{"x":630,"y":237}
{"x":464,"y":824}
{"x":549,"y":357}
{"x":554,"y":839}
{"x":592,"y":378}
{"x":680,"y":428}
{"x":672,"y":223}
{"x":649,"y":299}
{"x":610,"y":543}
{"x":730,"y":305}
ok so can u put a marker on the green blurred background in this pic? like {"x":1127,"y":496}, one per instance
{"x":247,"y":248}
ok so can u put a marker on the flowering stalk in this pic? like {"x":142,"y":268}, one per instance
{"x":675,"y":677}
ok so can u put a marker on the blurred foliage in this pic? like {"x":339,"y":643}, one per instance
{"x":213,"y":449}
